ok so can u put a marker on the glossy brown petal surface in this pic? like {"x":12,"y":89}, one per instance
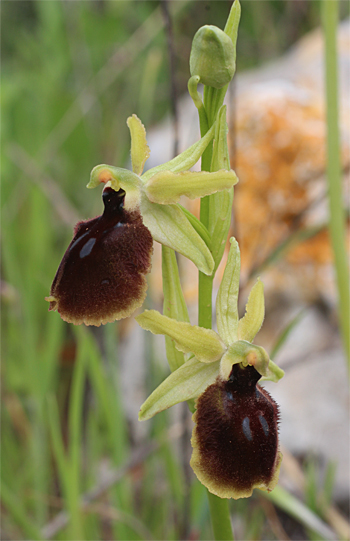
{"x":101,"y":276}
{"x":235,"y":440}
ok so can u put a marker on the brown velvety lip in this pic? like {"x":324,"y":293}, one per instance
{"x":101,"y":277}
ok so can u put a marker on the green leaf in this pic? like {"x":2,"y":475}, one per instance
{"x":187,"y":382}
{"x":250,"y":324}
{"x":166,"y":187}
{"x":226,"y":301}
{"x":174,"y":303}
{"x":185,"y":160}
{"x":205,"y":344}
{"x":118,"y":178}
{"x":169,"y":226}
{"x":297,"y":509}
{"x":139,"y":149}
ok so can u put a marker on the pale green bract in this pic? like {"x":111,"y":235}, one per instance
{"x":156,"y":193}
{"x":214,"y":353}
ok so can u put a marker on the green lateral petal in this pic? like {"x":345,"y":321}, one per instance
{"x":174,"y":305}
{"x":169,"y":226}
{"x":226,"y":301}
{"x":250,"y":324}
{"x":274,"y":373}
{"x":118,"y":178}
{"x":139,"y":149}
{"x":186,"y":159}
{"x":205,"y":344}
{"x":166,"y":187}
{"x":188,"y":381}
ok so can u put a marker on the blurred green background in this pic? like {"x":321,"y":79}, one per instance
{"x":72,"y":72}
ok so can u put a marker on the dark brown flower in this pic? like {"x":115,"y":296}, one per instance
{"x":235,"y":440}
{"x":101,"y":277}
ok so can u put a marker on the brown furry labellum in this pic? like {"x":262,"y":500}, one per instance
{"x":101,"y":277}
{"x":235,"y":440}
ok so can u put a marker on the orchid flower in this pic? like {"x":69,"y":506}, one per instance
{"x":102,"y":275}
{"x":235,"y":439}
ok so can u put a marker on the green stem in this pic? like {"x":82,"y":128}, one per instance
{"x":220,"y":518}
{"x":219,"y":511}
{"x":205,"y":288}
{"x":336,"y":208}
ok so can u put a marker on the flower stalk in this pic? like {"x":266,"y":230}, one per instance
{"x":219,"y":508}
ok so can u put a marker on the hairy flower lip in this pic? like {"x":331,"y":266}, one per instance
{"x":101,"y":277}
{"x":235,"y":439}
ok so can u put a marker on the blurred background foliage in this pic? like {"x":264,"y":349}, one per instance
{"x":72,"y":72}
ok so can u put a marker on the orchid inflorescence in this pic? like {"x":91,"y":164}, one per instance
{"x":101,"y":279}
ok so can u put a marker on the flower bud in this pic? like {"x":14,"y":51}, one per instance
{"x":212,"y":57}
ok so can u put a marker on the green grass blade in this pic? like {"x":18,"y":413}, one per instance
{"x":336,"y":208}
{"x":286,"y":332}
{"x":15,"y":508}
{"x":298,"y":510}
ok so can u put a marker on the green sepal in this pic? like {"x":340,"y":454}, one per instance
{"x":118,"y":178}
{"x":169,"y":226}
{"x":174,"y":305}
{"x":139,"y":149}
{"x":187,"y":382}
{"x":247,"y":354}
{"x":167,"y":187}
{"x":226,"y":300}
{"x":185,"y":160}
{"x":205,"y":344}
{"x":250,"y":324}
